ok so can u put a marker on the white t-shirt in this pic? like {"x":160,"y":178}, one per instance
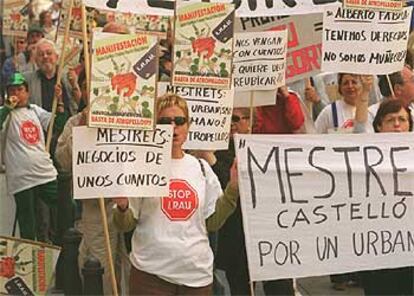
{"x":346,"y":113}
{"x":171,"y":240}
{"x":27,"y":162}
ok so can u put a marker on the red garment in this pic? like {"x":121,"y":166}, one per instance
{"x":284,"y":117}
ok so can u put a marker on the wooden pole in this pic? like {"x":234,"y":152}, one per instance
{"x":58,"y":79}
{"x":86,"y":55}
{"x":251,"y":284}
{"x":390,"y":86}
{"x":108,"y":246}
{"x":251,"y":112}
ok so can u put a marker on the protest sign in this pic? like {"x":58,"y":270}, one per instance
{"x":210,"y":115}
{"x":243,"y":99}
{"x":325,"y":204}
{"x":304,"y":40}
{"x":245,"y":8}
{"x":365,"y":41}
{"x":203,"y":44}
{"x":15,"y":17}
{"x":259,"y":60}
{"x":26,"y":267}
{"x":375,"y":4}
{"x":130,"y":163}
{"x":123,"y":86}
{"x":75,"y":27}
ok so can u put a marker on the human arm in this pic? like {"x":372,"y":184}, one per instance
{"x":361,"y":113}
{"x":289,"y":101}
{"x":123,"y":216}
{"x":9,"y":105}
{"x":225,"y":204}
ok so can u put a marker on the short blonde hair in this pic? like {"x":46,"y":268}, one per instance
{"x":172,"y":100}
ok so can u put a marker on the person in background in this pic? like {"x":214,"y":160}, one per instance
{"x":285,"y":117}
{"x":173,"y":256}
{"x":29,"y":170}
{"x":46,"y":23}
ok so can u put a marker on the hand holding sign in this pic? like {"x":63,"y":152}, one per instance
{"x":234,"y":181}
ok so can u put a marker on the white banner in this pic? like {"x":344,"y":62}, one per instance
{"x":245,"y":8}
{"x":259,"y":60}
{"x":324,"y":204}
{"x":245,"y":99}
{"x":111,"y":163}
{"x":364,"y":41}
{"x":210,"y":115}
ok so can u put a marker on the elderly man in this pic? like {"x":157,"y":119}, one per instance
{"x":402,"y":83}
{"x":42,"y":81}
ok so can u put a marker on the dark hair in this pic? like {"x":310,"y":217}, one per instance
{"x":26,"y":86}
{"x":390,"y":106}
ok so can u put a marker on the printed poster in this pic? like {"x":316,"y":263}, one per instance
{"x":210,"y":112}
{"x":203,"y":44}
{"x":112,"y":162}
{"x":26,"y":267}
{"x":317,"y":205}
{"x":391,"y":5}
{"x":15,"y":17}
{"x":123,"y":86}
{"x":365,"y":41}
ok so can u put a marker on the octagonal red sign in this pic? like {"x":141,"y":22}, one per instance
{"x":182,"y":202}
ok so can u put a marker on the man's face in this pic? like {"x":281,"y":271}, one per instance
{"x":405,"y":91}
{"x":34,"y":37}
{"x":20,"y":92}
{"x":46,"y":58}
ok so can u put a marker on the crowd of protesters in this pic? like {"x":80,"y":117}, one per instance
{"x":351,"y":104}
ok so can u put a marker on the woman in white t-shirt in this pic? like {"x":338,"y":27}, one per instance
{"x":338,"y":117}
{"x":170,"y":248}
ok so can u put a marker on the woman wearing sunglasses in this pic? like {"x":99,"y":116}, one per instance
{"x":171,"y":255}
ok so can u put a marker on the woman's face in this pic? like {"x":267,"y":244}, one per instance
{"x":395,"y":122}
{"x":240,"y":123}
{"x":350,"y":88}
{"x":180,"y":132}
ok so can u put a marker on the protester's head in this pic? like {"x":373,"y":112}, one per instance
{"x":17,"y":88}
{"x":45,"y":19}
{"x":113,"y":27}
{"x":393,"y":116}
{"x":19,"y":44}
{"x":402,"y":83}
{"x":350,"y":87}
{"x":240,"y":121}
{"x":46,"y":56}
{"x":172,"y":109}
{"x":34,"y":34}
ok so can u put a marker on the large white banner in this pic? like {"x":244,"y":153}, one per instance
{"x":111,"y":163}
{"x":259,"y":60}
{"x":325,"y":204}
{"x":210,"y":115}
{"x":244,"y":8}
{"x":364,"y":41}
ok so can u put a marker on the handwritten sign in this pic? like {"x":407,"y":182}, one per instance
{"x":203,"y":44}
{"x":15,"y":17}
{"x":131,"y":163}
{"x":259,"y":60}
{"x":375,"y":4}
{"x":316,"y":205}
{"x":210,"y":115}
{"x":304,"y":40}
{"x":365,"y":41}
{"x":26,"y":267}
{"x":246,"y":8}
{"x":123,"y":86}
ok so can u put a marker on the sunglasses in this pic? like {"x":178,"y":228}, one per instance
{"x":178,"y":120}
{"x":236,"y":118}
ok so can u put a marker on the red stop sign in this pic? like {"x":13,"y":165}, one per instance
{"x":182,"y":202}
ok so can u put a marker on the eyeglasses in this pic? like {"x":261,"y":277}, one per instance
{"x":236,"y":118}
{"x":178,"y":120}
